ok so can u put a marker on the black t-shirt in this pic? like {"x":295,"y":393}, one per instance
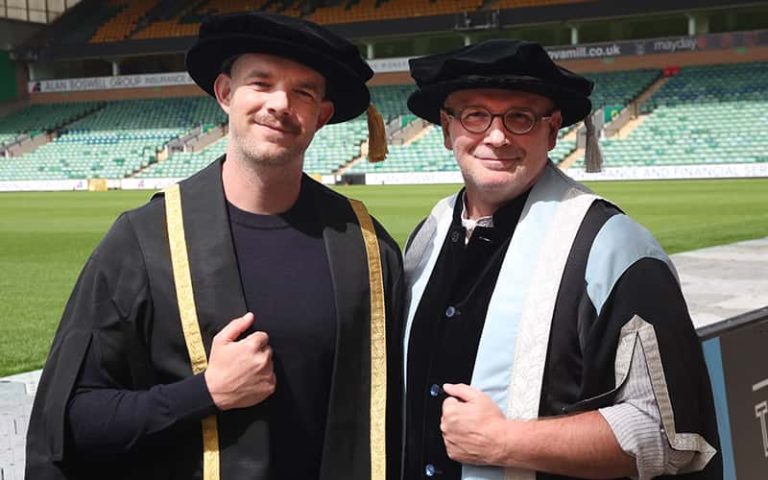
{"x":287,"y":284}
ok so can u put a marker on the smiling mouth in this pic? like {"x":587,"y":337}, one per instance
{"x":273,"y":127}
{"x":494,"y":159}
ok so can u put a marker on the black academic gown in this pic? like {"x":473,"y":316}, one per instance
{"x":579,"y":371}
{"x":125,"y":301}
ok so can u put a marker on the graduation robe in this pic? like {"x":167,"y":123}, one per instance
{"x":575,"y":296}
{"x":125,"y":300}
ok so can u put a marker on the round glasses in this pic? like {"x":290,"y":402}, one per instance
{"x":479,"y":119}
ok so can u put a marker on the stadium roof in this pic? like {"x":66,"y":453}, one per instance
{"x":36,"y":11}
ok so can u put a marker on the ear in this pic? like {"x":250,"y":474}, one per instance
{"x":446,"y":133}
{"x":554,"y":126}
{"x":325,"y":113}
{"x":222,"y":87}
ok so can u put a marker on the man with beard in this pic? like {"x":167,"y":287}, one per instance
{"x":546,"y":335}
{"x":237,"y":325}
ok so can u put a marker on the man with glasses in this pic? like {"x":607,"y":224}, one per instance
{"x":547,"y":336}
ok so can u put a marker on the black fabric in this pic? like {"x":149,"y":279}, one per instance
{"x":287,"y":281}
{"x":224,"y":36}
{"x":446,"y":331}
{"x":502,"y":63}
{"x":106,"y":422}
{"x":124,"y":306}
{"x":579,"y":374}
{"x":562,"y":387}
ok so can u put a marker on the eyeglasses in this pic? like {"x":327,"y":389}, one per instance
{"x":479,"y":119}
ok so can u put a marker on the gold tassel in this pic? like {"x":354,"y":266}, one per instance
{"x":377,"y":137}
{"x":593,"y":158}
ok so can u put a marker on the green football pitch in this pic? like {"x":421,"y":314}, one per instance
{"x":46,"y":237}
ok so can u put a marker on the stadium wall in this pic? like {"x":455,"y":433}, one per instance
{"x":395,"y":73}
{"x":425,"y":178}
{"x":668,"y":172}
{"x":682,"y":59}
{"x":401,"y":78}
{"x":122,"y":94}
{"x":638,"y":62}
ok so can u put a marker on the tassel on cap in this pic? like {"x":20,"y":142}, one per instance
{"x":377,"y":137}
{"x":593,"y":158}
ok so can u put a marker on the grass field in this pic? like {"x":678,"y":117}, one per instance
{"x":46,"y":237}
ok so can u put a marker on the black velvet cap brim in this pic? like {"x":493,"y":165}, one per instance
{"x":430,"y":99}
{"x":348,"y":93}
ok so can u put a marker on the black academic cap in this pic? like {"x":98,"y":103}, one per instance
{"x":225,"y":36}
{"x":505,"y":64}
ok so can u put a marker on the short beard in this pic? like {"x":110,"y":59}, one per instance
{"x":254,"y":154}
{"x":258,"y":153}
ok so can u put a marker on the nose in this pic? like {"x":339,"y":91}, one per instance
{"x":277,"y":102}
{"x":496,"y":135}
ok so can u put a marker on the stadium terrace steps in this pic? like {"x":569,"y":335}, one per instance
{"x":115,"y":141}
{"x":428,"y":154}
{"x":712,"y":84}
{"x":368,"y":10}
{"x":178,"y":20}
{"x":684,"y":122}
{"x":186,"y":21}
{"x":685,"y":127}
{"x":122,"y":25}
{"x":77,"y":25}
{"x":390,"y":100}
{"x":333,"y":147}
{"x":44,"y":118}
{"x":618,"y":89}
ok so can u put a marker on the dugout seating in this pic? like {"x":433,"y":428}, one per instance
{"x":703,"y":115}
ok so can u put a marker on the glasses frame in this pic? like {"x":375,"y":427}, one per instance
{"x":536,"y":119}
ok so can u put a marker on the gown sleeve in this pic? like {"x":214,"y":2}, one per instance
{"x":663,"y":413}
{"x":88,"y":379}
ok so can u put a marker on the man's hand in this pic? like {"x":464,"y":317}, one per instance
{"x":473,"y":426}
{"x":240,"y":372}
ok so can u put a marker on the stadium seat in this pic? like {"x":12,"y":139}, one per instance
{"x":704,"y":115}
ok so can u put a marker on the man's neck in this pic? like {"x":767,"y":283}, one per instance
{"x":479,"y":206}
{"x":266,"y":190}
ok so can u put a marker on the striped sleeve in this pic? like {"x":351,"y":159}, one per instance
{"x":636,"y":423}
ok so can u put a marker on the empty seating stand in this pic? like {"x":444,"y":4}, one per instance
{"x":125,"y":22}
{"x":115,"y":141}
{"x":703,"y":115}
{"x":41,"y":118}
